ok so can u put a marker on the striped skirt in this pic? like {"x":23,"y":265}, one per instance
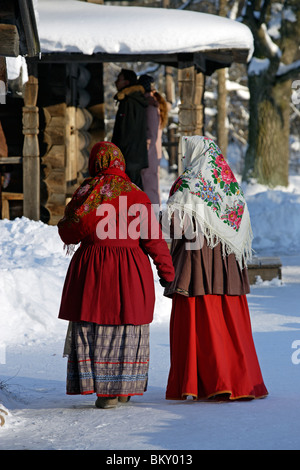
{"x":108,"y":360}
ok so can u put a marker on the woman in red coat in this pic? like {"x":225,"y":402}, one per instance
{"x":108,"y":295}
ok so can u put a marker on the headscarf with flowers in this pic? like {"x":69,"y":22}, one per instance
{"x":208,"y":191}
{"x":108,"y":180}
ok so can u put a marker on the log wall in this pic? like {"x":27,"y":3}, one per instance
{"x":72,"y":110}
{"x":11,"y":150}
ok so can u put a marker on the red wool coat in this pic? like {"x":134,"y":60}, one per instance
{"x":110,"y":280}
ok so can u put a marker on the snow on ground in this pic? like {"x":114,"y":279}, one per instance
{"x":40,"y":416}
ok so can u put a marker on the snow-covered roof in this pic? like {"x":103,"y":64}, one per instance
{"x":81,"y":27}
{"x":114,"y":33}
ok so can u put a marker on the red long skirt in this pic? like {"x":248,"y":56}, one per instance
{"x":212,"y":349}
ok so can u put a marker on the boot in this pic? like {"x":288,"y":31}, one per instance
{"x":106,"y":402}
{"x":124,"y":399}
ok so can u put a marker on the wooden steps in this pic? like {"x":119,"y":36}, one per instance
{"x":266,"y":267}
{"x":6,"y":197}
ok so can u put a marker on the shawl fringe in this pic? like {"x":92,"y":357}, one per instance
{"x":70,"y":249}
{"x":68,"y":341}
{"x":212,"y":237}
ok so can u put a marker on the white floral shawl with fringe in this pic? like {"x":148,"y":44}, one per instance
{"x":208,"y":191}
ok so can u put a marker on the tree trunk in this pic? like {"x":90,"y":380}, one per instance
{"x":267,"y":157}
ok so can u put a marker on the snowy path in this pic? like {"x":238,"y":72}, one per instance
{"x":43,"y":417}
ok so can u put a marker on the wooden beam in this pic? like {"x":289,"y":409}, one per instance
{"x":27,"y":14}
{"x":9,"y":40}
{"x":10,"y":160}
{"x":219,"y":57}
{"x":7,"y":11}
{"x":66,"y":57}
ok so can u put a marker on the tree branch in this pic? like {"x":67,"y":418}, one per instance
{"x":264,"y":10}
{"x":255,"y":20}
{"x":288,"y":72}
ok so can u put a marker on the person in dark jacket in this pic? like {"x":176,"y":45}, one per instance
{"x":129,"y":133}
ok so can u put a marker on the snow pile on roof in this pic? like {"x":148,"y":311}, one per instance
{"x":15,"y":67}
{"x":73,"y":26}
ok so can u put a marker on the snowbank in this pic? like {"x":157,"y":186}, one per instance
{"x":275,"y":216}
{"x":32,"y":272}
{"x":33,"y":267}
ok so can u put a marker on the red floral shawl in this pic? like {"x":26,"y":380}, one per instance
{"x":107,"y":182}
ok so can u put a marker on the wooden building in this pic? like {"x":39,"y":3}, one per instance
{"x":61,"y":113}
{"x":18,"y":38}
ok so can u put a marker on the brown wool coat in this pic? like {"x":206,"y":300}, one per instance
{"x":205,"y":271}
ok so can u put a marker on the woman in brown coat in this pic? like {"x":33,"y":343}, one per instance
{"x":212,"y":348}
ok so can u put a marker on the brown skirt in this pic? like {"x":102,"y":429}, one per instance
{"x":108,"y":360}
{"x":206,"y":272}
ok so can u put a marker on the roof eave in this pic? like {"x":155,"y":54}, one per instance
{"x":205,"y":61}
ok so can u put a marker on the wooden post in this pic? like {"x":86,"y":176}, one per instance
{"x":172,"y":127}
{"x":31,"y":153}
{"x":191,"y":89}
{"x":222,"y":127}
{"x":191,"y":110}
{"x":9,"y":45}
{"x":198,"y":103}
{"x":71,"y":146}
{"x":186,"y":91}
